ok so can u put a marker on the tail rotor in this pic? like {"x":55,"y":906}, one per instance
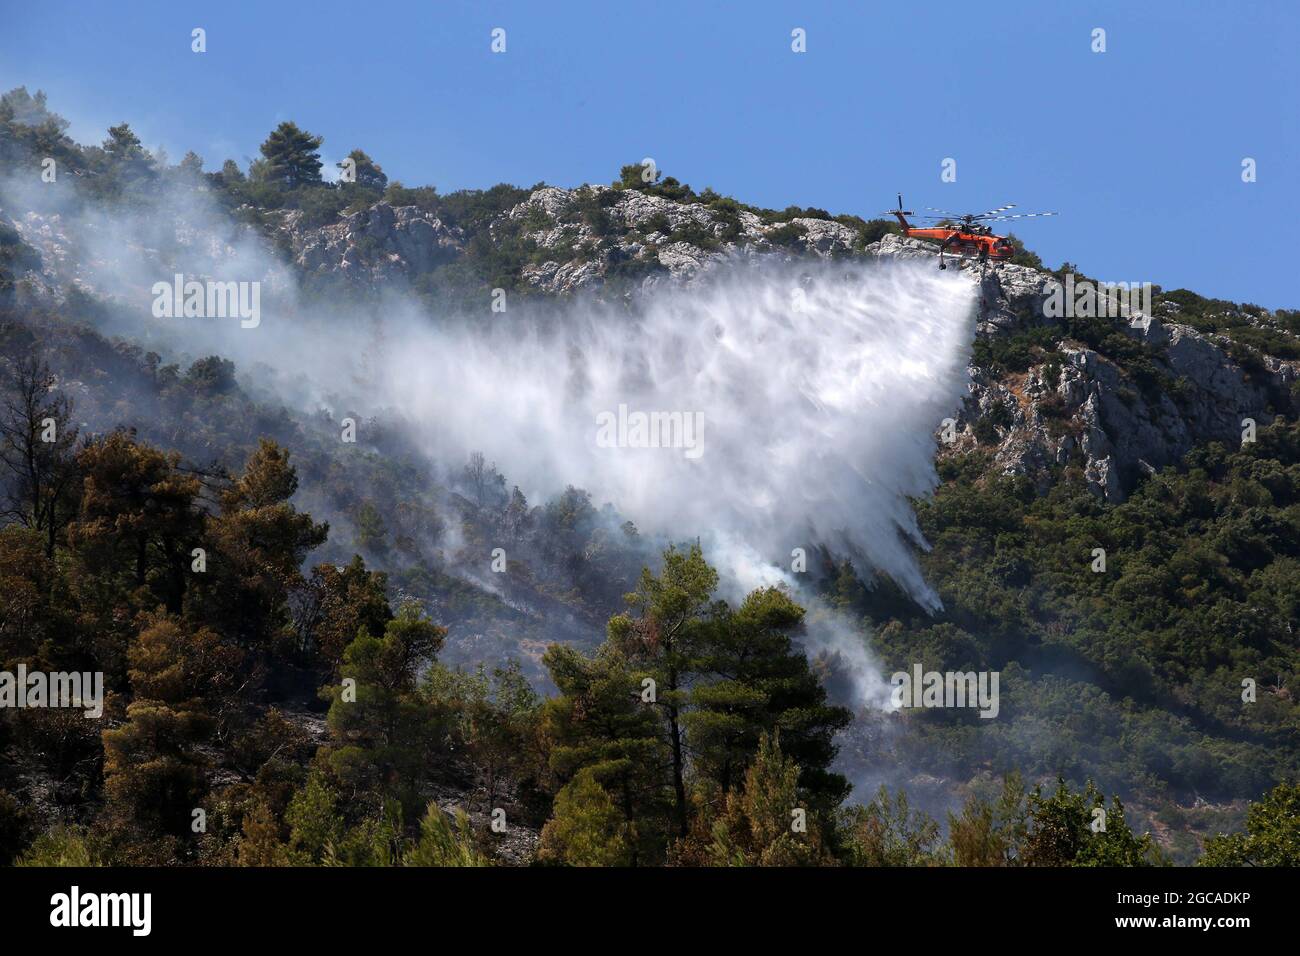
{"x":900,"y":211}
{"x":901,"y":215}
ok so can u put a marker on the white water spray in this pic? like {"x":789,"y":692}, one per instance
{"x":818,"y":393}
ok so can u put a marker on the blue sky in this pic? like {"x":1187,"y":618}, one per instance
{"x":1139,"y":148}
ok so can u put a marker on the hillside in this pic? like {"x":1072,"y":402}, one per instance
{"x":1123,"y":433}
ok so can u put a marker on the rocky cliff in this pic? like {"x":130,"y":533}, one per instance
{"x":1080,"y":406}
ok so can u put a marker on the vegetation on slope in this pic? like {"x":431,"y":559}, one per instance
{"x":227,"y":684}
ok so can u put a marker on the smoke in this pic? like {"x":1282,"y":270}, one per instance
{"x":798,"y":403}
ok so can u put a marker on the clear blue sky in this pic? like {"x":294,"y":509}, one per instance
{"x":1139,"y":148}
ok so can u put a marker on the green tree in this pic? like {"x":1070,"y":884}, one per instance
{"x":191,"y":165}
{"x":442,"y":844}
{"x":315,"y":825}
{"x":262,"y":541}
{"x":586,"y":828}
{"x":1061,"y":831}
{"x":375,"y":841}
{"x":672,"y":611}
{"x":889,"y":832}
{"x":334,"y":606}
{"x":137,"y":516}
{"x":751,"y":680}
{"x":292,"y":156}
{"x":369,"y":174}
{"x":371,"y":535}
{"x":599,"y":723}
{"x":154,"y":772}
{"x":126,"y":160}
{"x":381,"y":741}
{"x":260,"y":843}
{"x":769,"y":822}
{"x":231,"y":174}
{"x":991,"y":832}
{"x":1272,"y":836}
{"x":63,"y":846}
{"x":495,"y":720}
{"x":31,"y":614}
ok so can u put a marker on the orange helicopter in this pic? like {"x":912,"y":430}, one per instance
{"x":967,"y":236}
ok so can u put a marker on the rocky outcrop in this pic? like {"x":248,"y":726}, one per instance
{"x":120,"y":257}
{"x":1081,"y":407}
{"x":585,"y":235}
{"x":376,"y":244}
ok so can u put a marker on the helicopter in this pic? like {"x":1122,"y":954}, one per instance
{"x":967,"y":235}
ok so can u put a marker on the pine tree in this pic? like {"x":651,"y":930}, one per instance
{"x":381,"y":741}
{"x":369,"y":174}
{"x":888,"y":832}
{"x":315,"y":825}
{"x":991,"y":832}
{"x":62,"y":846}
{"x":673,"y":611}
{"x":231,"y":174}
{"x":153,"y":771}
{"x":599,"y":723}
{"x":442,"y":844}
{"x":752,"y":680}
{"x":292,"y":156}
{"x":191,"y":164}
{"x":768,"y":821}
{"x":334,"y":606}
{"x":495,"y":725}
{"x":127,"y":162}
{"x":260,"y":844}
{"x":31,"y":614}
{"x":586,"y":828}
{"x":375,"y":841}
{"x":1061,"y":831}
{"x":1117,"y":844}
{"x":138,"y":516}
{"x":261,"y":541}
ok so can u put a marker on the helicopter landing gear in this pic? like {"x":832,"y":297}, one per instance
{"x":942,"y":248}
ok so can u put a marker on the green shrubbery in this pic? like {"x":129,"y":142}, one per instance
{"x":1201,"y":591}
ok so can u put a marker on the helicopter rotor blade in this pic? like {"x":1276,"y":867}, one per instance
{"x":994,"y":212}
{"x":1023,"y":215}
{"x":993,"y":215}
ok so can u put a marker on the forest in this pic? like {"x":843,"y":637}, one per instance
{"x":275,"y":633}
